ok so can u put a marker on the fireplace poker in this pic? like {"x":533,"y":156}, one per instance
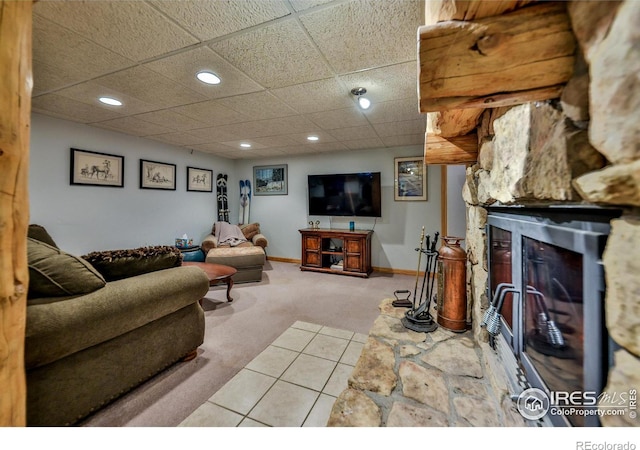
{"x":419,"y":250}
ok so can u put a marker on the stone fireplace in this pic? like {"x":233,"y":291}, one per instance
{"x":580,"y":156}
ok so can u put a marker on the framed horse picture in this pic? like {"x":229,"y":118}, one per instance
{"x":96,"y":169}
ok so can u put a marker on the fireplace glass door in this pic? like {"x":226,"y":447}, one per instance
{"x":547,"y":282}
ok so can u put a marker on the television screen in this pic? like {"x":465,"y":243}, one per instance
{"x":349,"y":194}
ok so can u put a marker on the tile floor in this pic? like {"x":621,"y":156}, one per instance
{"x":292,"y":383}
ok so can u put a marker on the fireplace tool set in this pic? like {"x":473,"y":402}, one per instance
{"x":418,"y":318}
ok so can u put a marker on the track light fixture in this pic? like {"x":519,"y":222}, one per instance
{"x":363,"y":102}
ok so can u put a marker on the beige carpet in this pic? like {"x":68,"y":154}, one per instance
{"x":237,"y":332}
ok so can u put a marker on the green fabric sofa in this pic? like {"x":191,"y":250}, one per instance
{"x":84,"y":351}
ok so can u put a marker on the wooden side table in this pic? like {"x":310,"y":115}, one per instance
{"x":217,"y":273}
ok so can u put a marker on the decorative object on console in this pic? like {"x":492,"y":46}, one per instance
{"x":157,"y":175}
{"x":410,"y":179}
{"x":96,"y":169}
{"x":199,"y":180}
{"x":270,"y":180}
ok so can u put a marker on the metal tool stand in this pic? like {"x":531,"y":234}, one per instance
{"x":419,"y":318}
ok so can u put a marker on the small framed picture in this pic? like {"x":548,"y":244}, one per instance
{"x":96,"y":169}
{"x":410,"y":179}
{"x":157,"y":175}
{"x":270,"y":180}
{"x":199,"y":180}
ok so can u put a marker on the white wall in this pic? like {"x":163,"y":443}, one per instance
{"x":85,"y":218}
{"x":456,"y":208}
{"x":396,"y":233}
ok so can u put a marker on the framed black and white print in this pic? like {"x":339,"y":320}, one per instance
{"x":410,"y":179}
{"x":157,"y":175}
{"x":199,"y":180}
{"x":96,"y":169}
{"x":270,"y":180}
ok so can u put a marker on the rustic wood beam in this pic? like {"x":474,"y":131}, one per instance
{"x":528,"y":50}
{"x":15,"y":116}
{"x":455,"y":150}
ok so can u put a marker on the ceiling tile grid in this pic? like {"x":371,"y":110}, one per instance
{"x":287,"y":68}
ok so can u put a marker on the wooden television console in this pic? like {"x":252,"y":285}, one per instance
{"x":352,"y":248}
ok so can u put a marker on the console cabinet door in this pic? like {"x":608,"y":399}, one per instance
{"x":353,"y":254}
{"x":311,"y":251}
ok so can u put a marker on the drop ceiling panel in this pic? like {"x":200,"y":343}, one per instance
{"x":301,"y":138}
{"x":352,"y":133}
{"x":314,"y":96}
{"x":132,"y":125}
{"x":172,"y":120}
{"x":212,"y":112}
{"x":362,"y":144}
{"x":339,"y":118}
{"x":90,"y":91}
{"x":132,"y":29}
{"x":408,"y":139}
{"x":65,"y":107}
{"x":212,"y":19}
{"x":275,"y":56}
{"x":388,"y":129}
{"x":387,"y":83}
{"x":150,"y":87}
{"x":394,"y":111}
{"x":301,"y":5}
{"x":178,"y":138}
{"x":62,"y":57}
{"x":259,"y":105}
{"x":275,"y":141}
{"x":213,"y":147}
{"x":365,"y":33}
{"x":183,"y":67}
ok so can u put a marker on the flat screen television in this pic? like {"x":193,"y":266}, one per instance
{"x":345,"y":194}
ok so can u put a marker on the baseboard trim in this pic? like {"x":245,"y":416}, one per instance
{"x":287,"y":260}
{"x":375,"y":269}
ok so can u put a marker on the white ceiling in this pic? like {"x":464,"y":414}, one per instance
{"x":287,"y":69}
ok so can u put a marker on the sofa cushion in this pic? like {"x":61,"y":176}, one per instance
{"x":120,"y":264}
{"x":54,"y":273}
{"x":40,"y":233}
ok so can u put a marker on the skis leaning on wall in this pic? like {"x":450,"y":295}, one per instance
{"x":245,"y":201}
{"x":223,"y":201}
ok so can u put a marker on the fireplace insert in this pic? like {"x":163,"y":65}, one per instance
{"x":547,"y":291}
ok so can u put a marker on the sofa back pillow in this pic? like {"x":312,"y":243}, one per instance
{"x":250,"y":229}
{"x":40,"y":233}
{"x":54,"y":273}
{"x":120,"y":264}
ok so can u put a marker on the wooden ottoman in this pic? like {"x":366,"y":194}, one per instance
{"x":248,"y":261}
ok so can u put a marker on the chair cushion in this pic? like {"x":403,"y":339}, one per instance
{"x":54,"y":273}
{"x":120,"y":264}
{"x":250,"y":230}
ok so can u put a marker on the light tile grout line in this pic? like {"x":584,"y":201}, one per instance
{"x":320,"y":392}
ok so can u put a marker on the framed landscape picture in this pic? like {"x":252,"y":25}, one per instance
{"x":270,"y":180}
{"x":410,"y":179}
{"x":199,"y":180}
{"x":157,"y":175}
{"x":96,"y":169}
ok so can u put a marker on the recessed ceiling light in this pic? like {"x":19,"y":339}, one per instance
{"x":208,"y":77}
{"x":312,"y":138}
{"x":110,"y":101}
{"x":245,"y":145}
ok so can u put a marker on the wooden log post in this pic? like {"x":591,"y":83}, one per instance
{"x":15,"y":118}
{"x":513,"y":58}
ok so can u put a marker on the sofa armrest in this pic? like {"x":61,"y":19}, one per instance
{"x":260,"y":240}
{"x":208,"y":243}
{"x":65,"y":325}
